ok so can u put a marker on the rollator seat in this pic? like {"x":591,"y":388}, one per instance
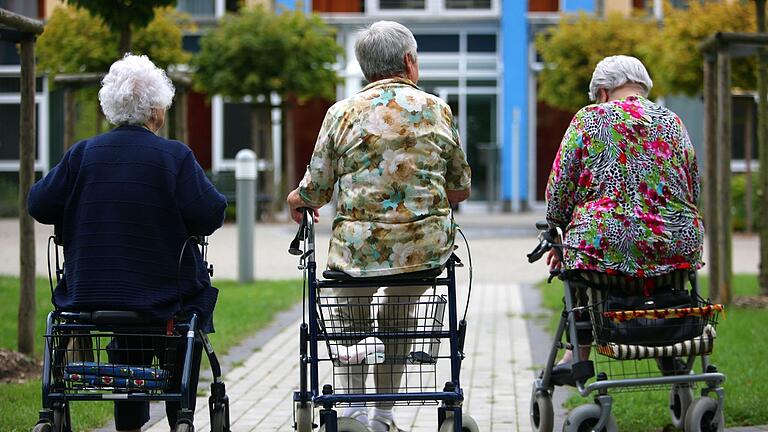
{"x":110,"y":317}
{"x":424,"y":274}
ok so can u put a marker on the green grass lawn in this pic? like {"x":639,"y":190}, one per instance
{"x":241,"y":310}
{"x":739,"y":351}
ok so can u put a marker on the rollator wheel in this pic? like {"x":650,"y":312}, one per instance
{"x":680,"y":398}
{"x":468,"y":424}
{"x":184,"y":427}
{"x":303,"y":417}
{"x":542,"y":413}
{"x":346,"y":424}
{"x":61,"y":418}
{"x":703,"y":416}
{"x":43,"y":427}
{"x":219,"y":419}
{"x":583,"y":418}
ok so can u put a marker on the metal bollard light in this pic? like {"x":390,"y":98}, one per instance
{"x":245,"y":176}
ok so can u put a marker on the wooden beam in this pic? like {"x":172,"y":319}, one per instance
{"x":724,"y":149}
{"x":20,"y":22}
{"x":710,"y":179}
{"x":26,"y":328}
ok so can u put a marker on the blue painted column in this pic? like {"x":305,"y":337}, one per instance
{"x":514,"y":151}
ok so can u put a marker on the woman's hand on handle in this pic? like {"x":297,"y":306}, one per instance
{"x":553,"y":261}
{"x":296,"y":206}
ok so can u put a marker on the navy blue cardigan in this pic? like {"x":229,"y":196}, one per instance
{"x":126,"y":201}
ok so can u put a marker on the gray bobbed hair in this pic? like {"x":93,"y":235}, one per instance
{"x":131,"y":88}
{"x":615,"y":71}
{"x":381,"y":48}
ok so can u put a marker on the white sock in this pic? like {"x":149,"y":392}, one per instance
{"x":358,"y":413}
{"x":378,"y":426}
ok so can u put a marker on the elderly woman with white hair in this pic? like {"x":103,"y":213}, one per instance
{"x":126,"y":202}
{"x":624,"y":186}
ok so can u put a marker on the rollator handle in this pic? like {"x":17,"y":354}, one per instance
{"x":295,"y":247}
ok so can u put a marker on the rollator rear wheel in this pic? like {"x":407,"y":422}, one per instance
{"x":680,"y":399}
{"x":43,"y":427}
{"x":184,"y":427}
{"x":303,"y":417}
{"x":583,"y":418}
{"x":542,"y":412}
{"x":346,"y":424}
{"x":219,"y":419}
{"x":468,"y":424}
{"x":703,"y":416}
{"x":61,"y":418}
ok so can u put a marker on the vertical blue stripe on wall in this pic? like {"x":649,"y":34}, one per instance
{"x":578,"y":5}
{"x":291,"y":4}
{"x":514,"y":34}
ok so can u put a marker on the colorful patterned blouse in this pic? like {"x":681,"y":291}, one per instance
{"x":394,"y":151}
{"x":624,"y":186}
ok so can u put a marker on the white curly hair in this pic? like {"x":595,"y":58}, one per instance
{"x":615,"y":71}
{"x":133,"y":86}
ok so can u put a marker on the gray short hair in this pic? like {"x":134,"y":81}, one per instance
{"x":380,"y":49}
{"x":133,"y":86}
{"x":615,"y":71}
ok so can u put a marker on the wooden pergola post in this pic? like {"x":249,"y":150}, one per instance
{"x":23,"y":31}
{"x":710,"y":179}
{"x":724,"y":148}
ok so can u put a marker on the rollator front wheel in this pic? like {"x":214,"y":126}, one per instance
{"x":346,"y":424}
{"x":184,"y":427}
{"x":43,"y":427}
{"x":583,"y":418}
{"x":703,"y":416}
{"x":219,"y":419}
{"x":468,"y":424}
{"x":680,"y":399}
{"x":542,"y":412}
{"x":304,"y":417}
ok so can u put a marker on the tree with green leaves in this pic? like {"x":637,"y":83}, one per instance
{"x":762,"y":143}
{"x":257,"y":53}
{"x":121,"y":15}
{"x":573,"y":47}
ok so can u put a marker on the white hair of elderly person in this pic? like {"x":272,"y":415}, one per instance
{"x":136,"y":92}
{"x":619,"y":71}
{"x":381,"y":50}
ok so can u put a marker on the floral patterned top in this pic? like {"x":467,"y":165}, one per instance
{"x":394,"y":151}
{"x":624,"y":188}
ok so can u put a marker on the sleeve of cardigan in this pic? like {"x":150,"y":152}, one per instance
{"x":201,"y":205}
{"x":47,"y":197}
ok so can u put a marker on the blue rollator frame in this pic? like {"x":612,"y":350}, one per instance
{"x":628,"y":370}
{"x":315,"y":330}
{"x":112,"y":355}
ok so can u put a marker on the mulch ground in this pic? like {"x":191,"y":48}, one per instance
{"x":16,"y":367}
{"x":754,"y":302}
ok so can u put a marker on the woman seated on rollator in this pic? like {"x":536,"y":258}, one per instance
{"x":394,"y":152}
{"x":126,"y":202}
{"x":623,"y":188}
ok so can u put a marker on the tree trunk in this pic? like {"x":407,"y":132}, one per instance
{"x":724,"y":148}
{"x":26,"y":329}
{"x":125,"y":40}
{"x":290,"y":180}
{"x":710,"y":179}
{"x":261,"y":142}
{"x":762,"y":146}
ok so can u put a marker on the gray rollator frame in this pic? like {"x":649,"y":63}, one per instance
{"x":583,"y":370}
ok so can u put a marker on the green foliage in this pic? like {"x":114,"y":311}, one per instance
{"x":572,"y":48}
{"x":739,"y":203}
{"x":119,"y":14}
{"x":9,"y":194}
{"x":75,"y":41}
{"x":672,"y":52}
{"x":258,"y":52}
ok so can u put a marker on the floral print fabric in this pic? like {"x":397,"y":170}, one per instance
{"x":394,"y":151}
{"x":624,"y":188}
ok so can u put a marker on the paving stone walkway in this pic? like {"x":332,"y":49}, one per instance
{"x":496,"y":374}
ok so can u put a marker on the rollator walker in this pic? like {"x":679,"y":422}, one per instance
{"x":641,"y":343}
{"x":353,"y":345}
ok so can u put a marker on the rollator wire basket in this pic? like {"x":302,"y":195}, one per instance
{"x":641,"y":338}
{"x":88,"y":361}
{"x":391,"y":332}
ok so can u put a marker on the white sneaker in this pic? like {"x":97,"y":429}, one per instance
{"x":369,"y":351}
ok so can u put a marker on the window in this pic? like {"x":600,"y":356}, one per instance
{"x":467,"y":4}
{"x":198,"y":7}
{"x":544,"y":5}
{"x":437,"y":43}
{"x":9,"y":133}
{"x":401,"y":4}
{"x":479,"y":43}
